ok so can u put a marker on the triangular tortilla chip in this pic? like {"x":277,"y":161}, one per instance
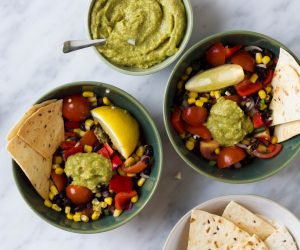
{"x":36,"y":168}
{"x":209,"y":231}
{"x":247,"y":220}
{"x":287,"y":130}
{"x":13,"y":132}
{"x":44,"y":130}
{"x":281,"y":239}
{"x":254,"y":243}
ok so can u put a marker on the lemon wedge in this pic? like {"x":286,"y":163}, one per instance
{"x":120,"y":126}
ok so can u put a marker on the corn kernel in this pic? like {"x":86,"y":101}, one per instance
{"x":265,"y":59}
{"x":189,"y":145}
{"x":95,"y":215}
{"x":67,"y":209}
{"x":88,"y":148}
{"x":184,"y":77}
{"x":108,"y":200}
{"x":53,"y":190}
{"x":199,"y":103}
{"x":140,"y":151}
{"x":88,"y":94}
{"x":188,"y":70}
{"x":84,"y":218}
{"x":55,"y":207}
{"x":254,"y":78}
{"x":141,"y":181}
{"x":129,"y":161}
{"x":88,"y":124}
{"x":94,"y":104}
{"x":97,"y":208}
{"x":117,"y":212}
{"x":76,"y":217}
{"x":217,"y":94}
{"x":263,"y":106}
{"x":203,"y":99}
{"x":193,"y":94}
{"x":121,"y":172}
{"x":69,"y":216}
{"x":57,"y":159}
{"x":135,"y":157}
{"x":274,"y":140}
{"x":51,"y":196}
{"x":258,"y":58}
{"x":180,"y":85}
{"x":103,"y":204}
{"x":191,"y":100}
{"x":55,"y":166}
{"x":268,"y":89}
{"x":59,"y":171}
{"x":217,"y":151}
{"x":95,"y":201}
{"x":268,"y":97}
{"x":134,"y":199}
{"x":212,"y":93}
{"x":130,"y":175}
{"x":47,"y":203}
{"x":78,"y":131}
{"x":92,"y":99}
{"x":262,"y":94}
{"x":106,"y":101}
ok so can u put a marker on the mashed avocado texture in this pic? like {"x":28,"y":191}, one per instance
{"x":228,"y":123}
{"x":139,"y":33}
{"x":88,"y":169}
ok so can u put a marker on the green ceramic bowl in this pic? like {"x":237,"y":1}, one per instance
{"x":151,"y":135}
{"x":259,"y":169}
{"x":159,"y":66}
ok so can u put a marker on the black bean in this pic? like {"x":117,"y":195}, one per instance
{"x":261,"y":72}
{"x":148,"y":151}
{"x":207,"y":105}
{"x":147,"y":171}
{"x":100,"y":101}
{"x":97,"y":147}
{"x":82,"y":126}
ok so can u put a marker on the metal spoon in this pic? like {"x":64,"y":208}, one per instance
{"x":70,"y":46}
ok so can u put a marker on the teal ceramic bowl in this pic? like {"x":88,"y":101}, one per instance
{"x":260,"y":168}
{"x":151,"y":136}
{"x":157,"y":67}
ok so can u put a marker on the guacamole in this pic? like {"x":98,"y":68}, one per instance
{"x":139,"y":33}
{"x":227,"y":122}
{"x":88,"y":169}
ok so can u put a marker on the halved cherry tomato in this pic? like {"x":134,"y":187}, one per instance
{"x":215,"y":55}
{"x":199,"y":130}
{"x":65,"y":145}
{"x":103,"y":151}
{"x":257,"y":120}
{"x":59,"y":180}
{"x":207,"y":149}
{"x":272,"y":151}
{"x":244,"y":59}
{"x":229,"y":156}
{"x":72,"y":151}
{"x":194,"y":115}
{"x":137,"y":167}
{"x":76,"y":108}
{"x":88,"y":138}
{"x":177,"y":122}
{"x":269,"y":77}
{"x":120,"y":183}
{"x":246,"y":87}
{"x":78,"y":194}
{"x":230,"y":51}
{"x":122,"y":199}
{"x":234,"y":98}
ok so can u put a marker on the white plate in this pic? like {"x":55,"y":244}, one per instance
{"x":178,"y":237}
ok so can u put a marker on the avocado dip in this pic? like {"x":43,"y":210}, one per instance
{"x":228,"y":123}
{"x":139,"y":33}
{"x":88,"y":169}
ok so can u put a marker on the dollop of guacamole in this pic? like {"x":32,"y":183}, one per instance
{"x":88,"y":169}
{"x":139,"y":33}
{"x":228,"y":123}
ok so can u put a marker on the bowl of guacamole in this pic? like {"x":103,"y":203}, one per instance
{"x":143,"y":37}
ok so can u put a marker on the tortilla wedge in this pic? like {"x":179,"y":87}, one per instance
{"x":287,"y":130}
{"x":44,"y":129}
{"x":248,"y":221}
{"x":209,"y":231}
{"x":281,"y":239}
{"x":36,"y":168}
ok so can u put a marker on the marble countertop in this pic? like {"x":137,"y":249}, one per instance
{"x":31,"y":63}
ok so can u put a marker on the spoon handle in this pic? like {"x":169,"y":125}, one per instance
{"x":70,"y":46}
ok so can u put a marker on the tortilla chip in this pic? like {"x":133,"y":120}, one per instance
{"x":281,"y":239}
{"x":44,"y":130}
{"x":253,"y":243}
{"x":287,"y":130}
{"x":285,"y":103}
{"x":36,"y":168}
{"x":13,"y":132}
{"x":209,"y":231}
{"x":248,"y":221}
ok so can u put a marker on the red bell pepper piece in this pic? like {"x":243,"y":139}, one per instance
{"x":200,"y":130}
{"x":230,"y":51}
{"x":116,"y":162}
{"x":137,"y":167}
{"x":257,"y":120}
{"x":70,"y":134}
{"x":269,"y":77}
{"x":72,"y":151}
{"x":177,"y":122}
{"x":120,"y":183}
{"x":246,"y":87}
{"x":71,"y":125}
{"x":123,"y":198}
{"x":109,"y":149}
{"x":65,"y":145}
{"x":103,"y":151}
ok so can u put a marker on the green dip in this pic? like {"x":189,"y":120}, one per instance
{"x":139,"y":33}
{"x":227,"y":122}
{"x":88,"y":169}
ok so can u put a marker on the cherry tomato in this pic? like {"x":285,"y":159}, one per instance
{"x":258,"y":120}
{"x":120,"y":183}
{"x":246,"y":87}
{"x":229,"y":156}
{"x":215,"y":55}
{"x":207,"y":149}
{"x":75,"y":108}
{"x":122,"y":198}
{"x":79,"y":194}
{"x":88,"y":138}
{"x":60,"y":181}
{"x":199,"y":130}
{"x":244,"y":59}
{"x":230,"y":51}
{"x":177,"y":122}
{"x":194,"y":115}
{"x":272,"y":151}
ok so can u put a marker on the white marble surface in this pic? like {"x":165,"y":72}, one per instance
{"x":31,"y":63}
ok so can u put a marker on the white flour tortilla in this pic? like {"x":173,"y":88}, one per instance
{"x":281,"y":239}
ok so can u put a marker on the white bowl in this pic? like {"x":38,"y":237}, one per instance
{"x":178,"y":237}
